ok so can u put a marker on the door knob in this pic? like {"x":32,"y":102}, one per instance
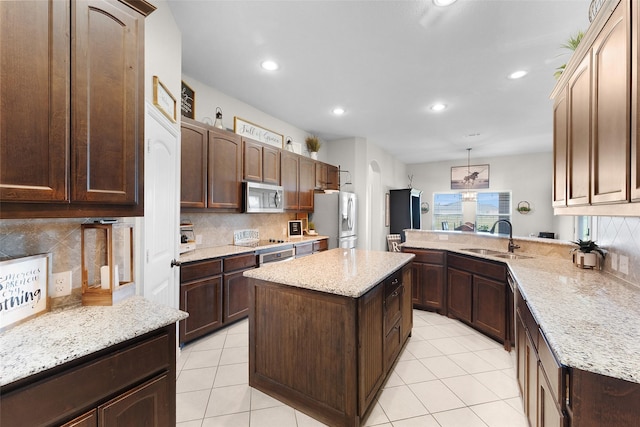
{"x":175,"y":263}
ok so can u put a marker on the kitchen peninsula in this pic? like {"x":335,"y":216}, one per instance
{"x":576,"y":338}
{"x":325,"y":330}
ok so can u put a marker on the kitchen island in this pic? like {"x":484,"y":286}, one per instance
{"x":325,"y":330}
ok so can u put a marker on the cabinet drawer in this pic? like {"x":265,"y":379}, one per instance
{"x":200,"y":269}
{"x":392,"y":342}
{"x":429,"y":257}
{"x":497,"y":271}
{"x":320,"y":245}
{"x":239,"y":262}
{"x":304,"y":249}
{"x":62,"y":396}
{"x":392,"y":301}
{"x":552,"y":368}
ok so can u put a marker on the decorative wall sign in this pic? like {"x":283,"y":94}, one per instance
{"x":23,"y":288}
{"x":188,"y":101}
{"x":163,"y":99}
{"x":253,"y":131}
{"x":295,"y":228}
{"x":469,"y":177}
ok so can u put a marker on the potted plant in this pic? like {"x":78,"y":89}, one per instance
{"x":312,"y":228}
{"x":313,"y":145}
{"x":572,"y":45}
{"x":584,"y":256}
{"x":524,"y":209}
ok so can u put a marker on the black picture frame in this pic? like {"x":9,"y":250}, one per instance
{"x":188,"y":101}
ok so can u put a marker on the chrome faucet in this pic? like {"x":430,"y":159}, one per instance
{"x":512,"y":246}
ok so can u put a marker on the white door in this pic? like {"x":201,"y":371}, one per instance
{"x":161,"y":208}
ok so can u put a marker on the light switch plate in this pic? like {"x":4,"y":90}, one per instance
{"x":614,"y":261}
{"x":443,"y":237}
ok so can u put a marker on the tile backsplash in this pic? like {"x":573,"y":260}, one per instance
{"x":217,"y":229}
{"x":620,"y":236}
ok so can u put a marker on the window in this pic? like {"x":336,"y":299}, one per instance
{"x":447,"y":211}
{"x":450,"y":213}
{"x":491,"y":207}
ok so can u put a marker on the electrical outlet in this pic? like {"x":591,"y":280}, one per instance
{"x":623,"y":264}
{"x":614,"y":261}
{"x":198,"y":239}
{"x":61,"y":284}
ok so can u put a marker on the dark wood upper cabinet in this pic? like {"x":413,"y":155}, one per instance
{"x":261,"y":162}
{"x":635,"y":107}
{"x":224,"y":170}
{"x":72,"y":137}
{"x":193,"y":171}
{"x":610,"y":111}
{"x":307,"y":184}
{"x":579,"y":147}
{"x":35,"y":63}
{"x":289,"y":179}
{"x":211,"y":173}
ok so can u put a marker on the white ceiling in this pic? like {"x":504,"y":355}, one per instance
{"x":386,"y":63}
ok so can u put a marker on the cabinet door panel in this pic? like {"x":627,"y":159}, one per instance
{"x":433,"y":286}
{"x":224,"y":171}
{"x":416,"y":286}
{"x":289,"y":179}
{"x":611,"y":118}
{"x":203,"y":301}
{"x":635,"y":107}
{"x":333,"y":177}
{"x":236,"y":297}
{"x":489,"y":302}
{"x":460,"y":294}
{"x":307,"y":184}
{"x":147,"y":402}
{"x":371,"y":363}
{"x":90,"y":419}
{"x":549,"y":414}
{"x":271,"y":165}
{"x":579,"y":149}
{"x":560,"y":130}
{"x":34,"y":59}
{"x":193,"y":170}
{"x":252,"y":160}
{"x":108,"y":67}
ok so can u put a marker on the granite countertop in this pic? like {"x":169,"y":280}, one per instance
{"x":346,"y":272}
{"x":61,"y":336}
{"x":228,"y":250}
{"x":590,"y":318}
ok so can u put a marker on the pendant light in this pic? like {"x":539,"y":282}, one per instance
{"x":468,"y":195}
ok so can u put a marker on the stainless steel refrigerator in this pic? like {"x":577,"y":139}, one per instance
{"x":336,"y":215}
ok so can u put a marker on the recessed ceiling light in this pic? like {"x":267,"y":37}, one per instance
{"x":269,"y":65}
{"x":517,"y":74}
{"x":438,"y":107}
{"x":443,"y":2}
{"x":338,"y":111}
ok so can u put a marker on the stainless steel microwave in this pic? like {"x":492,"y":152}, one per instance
{"x":259,"y":197}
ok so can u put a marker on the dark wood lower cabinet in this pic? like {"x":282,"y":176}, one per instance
{"x":429,"y":280}
{"x":355,"y":343}
{"x":489,"y":302}
{"x":215,"y":293}
{"x":129,"y":384}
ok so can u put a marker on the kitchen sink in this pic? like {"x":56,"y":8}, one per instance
{"x":482,"y":251}
{"x":511,"y":256}
{"x":498,"y":254}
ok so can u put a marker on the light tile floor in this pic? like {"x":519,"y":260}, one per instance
{"x":448,"y":375}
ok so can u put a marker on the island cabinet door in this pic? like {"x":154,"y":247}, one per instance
{"x":371,"y":364}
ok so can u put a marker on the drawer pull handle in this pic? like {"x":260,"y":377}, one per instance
{"x":395,"y":281}
{"x":394,"y":294}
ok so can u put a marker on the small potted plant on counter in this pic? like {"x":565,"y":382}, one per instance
{"x":586,"y":254}
{"x":312,"y":229}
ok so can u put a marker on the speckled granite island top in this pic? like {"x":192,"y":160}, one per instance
{"x":346,"y":272}
{"x":57,"y":337}
{"x":590,"y":318}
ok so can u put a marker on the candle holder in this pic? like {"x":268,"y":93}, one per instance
{"x":107,"y":263}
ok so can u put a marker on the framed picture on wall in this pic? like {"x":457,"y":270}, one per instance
{"x":188,"y":101}
{"x":474,"y":176}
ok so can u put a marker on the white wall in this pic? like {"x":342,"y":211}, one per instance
{"x":528,"y":177}
{"x":162,"y":52}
